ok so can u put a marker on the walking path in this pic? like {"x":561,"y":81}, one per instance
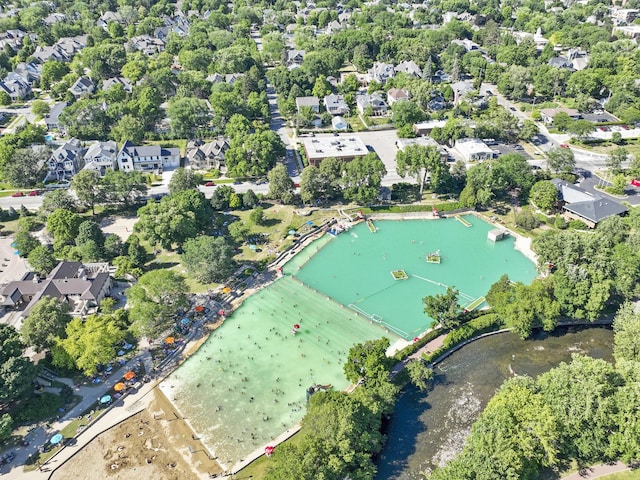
{"x":598,"y":471}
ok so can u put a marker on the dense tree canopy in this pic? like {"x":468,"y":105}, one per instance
{"x":208,"y":259}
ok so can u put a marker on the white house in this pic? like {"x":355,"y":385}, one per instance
{"x":336,"y":105}
{"x":148,"y":158}
{"x":381,"y":72}
{"x":101,"y":157}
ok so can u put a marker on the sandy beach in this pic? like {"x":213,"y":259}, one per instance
{"x":154,"y":444}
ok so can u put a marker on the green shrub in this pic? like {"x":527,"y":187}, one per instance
{"x":577,"y":225}
{"x":39,"y":407}
{"x":415,"y":346}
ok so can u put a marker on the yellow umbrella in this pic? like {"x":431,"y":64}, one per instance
{"x":226,"y":290}
{"x":119,"y":387}
{"x":169,"y":340}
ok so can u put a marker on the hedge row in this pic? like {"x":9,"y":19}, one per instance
{"x":478,"y":326}
{"x":415,"y":346}
{"x":442,"y":207}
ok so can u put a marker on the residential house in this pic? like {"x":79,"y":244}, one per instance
{"x":82,"y":86}
{"x":16,"y":87}
{"x":72,"y":45}
{"x":537,"y":38}
{"x":336,"y":105}
{"x":461,"y":90}
{"x":410,"y":67}
{"x":51,"y":119}
{"x":45,"y":53}
{"x":547,"y":114}
{"x":381,"y":72}
{"x":396,"y":94}
{"x":632,"y":31}
{"x":13,"y":38}
{"x":581,"y":205}
{"x":29,"y":72}
{"x":425,"y":128}
{"x":334,"y":26}
{"x":147,"y":44}
{"x":579,"y":58}
{"x":437,"y":103}
{"x":474,"y":150}
{"x":375,"y":101}
{"x":624,"y":16}
{"x":54,"y":18}
{"x":295,"y":58}
{"x":440,"y":77}
{"x":207,"y":156}
{"x":560,"y":62}
{"x":148,"y":158}
{"x":467,"y":44}
{"x":110,"y":82}
{"x":101,"y":157}
{"x":65,"y":161}
{"x":109,"y":17}
{"x":82,"y":286}
{"x":311,"y":102}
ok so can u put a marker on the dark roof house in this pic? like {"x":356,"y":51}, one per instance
{"x":581,"y":205}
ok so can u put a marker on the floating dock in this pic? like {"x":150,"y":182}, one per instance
{"x":463,"y":221}
{"x":497,"y":234}
{"x":475,"y":304}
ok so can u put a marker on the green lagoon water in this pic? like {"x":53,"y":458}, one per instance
{"x":355,"y":268}
{"x":247,"y":383}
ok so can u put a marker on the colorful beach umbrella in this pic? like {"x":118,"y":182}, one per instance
{"x":226,"y":290}
{"x":199,"y":308}
{"x":118,"y":387}
{"x":291,"y":232}
{"x":296,"y":326}
{"x":221,"y":313}
{"x":105,"y":399}
{"x":129,"y":375}
{"x":268,"y":450}
{"x":415,"y":339}
{"x":185,"y":321}
{"x":56,"y":439}
{"x":170,"y":340}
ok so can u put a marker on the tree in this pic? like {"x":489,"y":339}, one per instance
{"x":129,"y":128}
{"x":5,"y":99}
{"x":85,"y":119}
{"x":92,"y":341}
{"x":39,"y":107}
{"x":250,"y":199}
{"x":362,"y":179}
{"x":561,"y":160}
{"x":238,"y":231}
{"x":188,"y":116}
{"x":90,"y":231}
{"x":41,"y":260}
{"x":312,"y":184}
{"x":367,"y":361}
{"x":45,"y":323}
{"x":626,"y":325}
{"x":580,"y":128}
{"x":16,"y":372}
{"x":280,"y":184}
{"x":25,"y":168}
{"x":528,"y":130}
{"x":63,"y":225}
{"x":25,"y":243}
{"x":52,"y":71}
{"x":544,"y":195}
{"x":420,"y":162}
{"x":154,"y":300}
{"x":208,"y":259}
{"x":88,"y":188}
{"x":221,"y":197}
{"x":406,"y":113}
{"x":532,"y":306}
{"x":6,"y":426}
{"x":56,"y":199}
{"x":443,"y":308}
{"x":123,"y":187}
{"x":112,"y":246}
{"x":615,"y":159}
{"x":257,"y":216}
{"x":184,"y":179}
{"x":420,"y":374}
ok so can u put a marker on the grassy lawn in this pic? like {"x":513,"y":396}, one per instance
{"x":631,"y":475}
{"x":356,"y":124}
{"x":379,"y":121}
{"x":257,"y":468}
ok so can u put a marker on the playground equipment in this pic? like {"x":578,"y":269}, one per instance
{"x":434,"y":257}
{"x":463,"y":221}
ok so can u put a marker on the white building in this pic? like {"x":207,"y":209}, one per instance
{"x":474,"y":150}
{"x":148,"y":158}
{"x":343,"y":147}
{"x":101,"y":157}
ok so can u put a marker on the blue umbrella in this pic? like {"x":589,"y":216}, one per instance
{"x":184,"y":321}
{"x":309,"y":222}
{"x":252,"y":247}
{"x":291,"y":232}
{"x":105,"y":399}
{"x":57,"y":438}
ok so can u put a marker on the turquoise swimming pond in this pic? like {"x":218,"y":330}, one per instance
{"x":247,"y":383}
{"x":355,"y":268}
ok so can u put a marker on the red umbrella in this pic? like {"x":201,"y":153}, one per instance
{"x":221,"y":312}
{"x":129,"y":375}
{"x":268,"y":450}
{"x":199,"y":308}
{"x":415,"y":339}
{"x":296,"y":326}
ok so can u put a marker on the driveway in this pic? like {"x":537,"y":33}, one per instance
{"x":589,"y":184}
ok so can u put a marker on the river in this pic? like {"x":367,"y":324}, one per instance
{"x":429,"y":429}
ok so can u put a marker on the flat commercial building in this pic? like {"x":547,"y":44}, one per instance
{"x":345,"y":148}
{"x":474,"y":150}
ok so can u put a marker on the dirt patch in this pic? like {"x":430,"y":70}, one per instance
{"x":155,"y":444}
{"x":120,"y":226}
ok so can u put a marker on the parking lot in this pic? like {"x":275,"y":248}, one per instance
{"x":503,"y":149}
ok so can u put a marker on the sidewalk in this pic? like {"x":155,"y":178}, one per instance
{"x":598,"y":471}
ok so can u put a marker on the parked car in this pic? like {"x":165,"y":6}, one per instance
{"x":210,"y":184}
{"x":564,"y":145}
{"x":34,"y":193}
{"x":17,"y":194}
